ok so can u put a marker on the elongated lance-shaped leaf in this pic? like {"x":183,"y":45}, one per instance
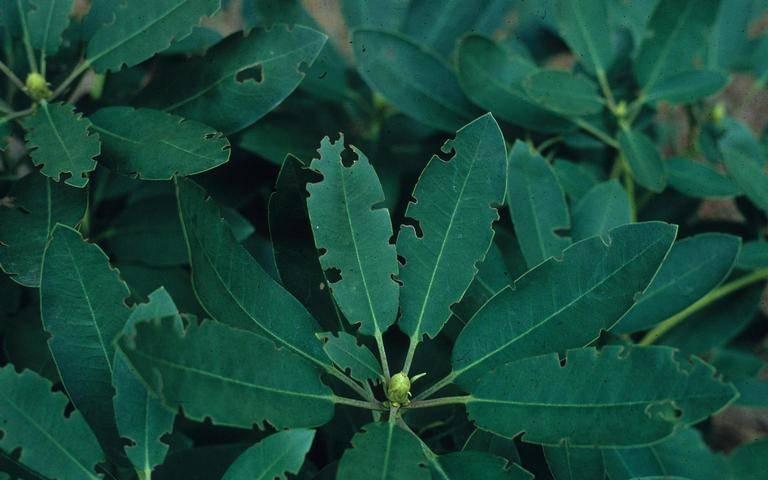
{"x":493,"y":77}
{"x":412,"y":78}
{"x":438,"y":24}
{"x":203,"y":367}
{"x":568,"y":463}
{"x":383,"y":451}
{"x":584,"y":26}
{"x":239,"y":80}
{"x":471,"y":465}
{"x":141,"y":417}
{"x":46,"y":21}
{"x":564,"y":302}
{"x":32,"y":418}
{"x":273,"y":457}
{"x":39,"y":204}
{"x":687,"y":87}
{"x":563,"y":93}
{"x":82,"y":305}
{"x":603,"y":208}
{"x":537,"y":205}
{"x":492,"y":276}
{"x":141,"y":29}
{"x":695,"y":266}
{"x":294,"y":245}
{"x":345,"y":352}
{"x":679,"y":32}
{"x":353,"y":237}
{"x":683,"y":454}
{"x":643,"y":159}
{"x":232,"y":286}
{"x":745,"y":160}
{"x":154,"y":145}
{"x":644,"y":395}
{"x":699,"y":180}
{"x":62,"y":142}
{"x":454,"y":206}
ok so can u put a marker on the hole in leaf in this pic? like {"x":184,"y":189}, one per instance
{"x":401,"y":260}
{"x":255,"y":73}
{"x":333,"y":275}
{"x":303,"y":68}
{"x":408,"y":221}
{"x":348,"y":157}
{"x":447,"y":152}
{"x":396,"y":279}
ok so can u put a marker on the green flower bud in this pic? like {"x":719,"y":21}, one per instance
{"x":37,"y":87}
{"x":719,"y":112}
{"x":399,"y":389}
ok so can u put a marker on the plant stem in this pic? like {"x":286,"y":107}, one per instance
{"x":412,"y":344}
{"x":659,"y":330}
{"x":549,"y":142}
{"x":439,"y":402}
{"x":350,"y":383}
{"x":629,"y":184}
{"x":606,"y":88}
{"x":26,"y":41}
{"x":596,"y":132}
{"x":12,"y":76}
{"x":357,"y":403}
{"x":382,"y":354}
{"x":13,"y":115}
{"x":444,"y":382}
{"x":79,"y":69}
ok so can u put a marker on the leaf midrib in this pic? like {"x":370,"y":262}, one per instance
{"x":628,"y":403}
{"x":162,"y":140}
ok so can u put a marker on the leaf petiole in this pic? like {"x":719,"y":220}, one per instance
{"x":439,"y":402}
{"x":358,"y":403}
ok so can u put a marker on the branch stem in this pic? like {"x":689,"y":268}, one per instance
{"x":12,"y":76}
{"x":78,"y":70}
{"x":442,"y":383}
{"x":350,"y":383}
{"x":439,"y":402}
{"x":357,"y":403}
{"x":596,"y":132}
{"x":382,"y":354}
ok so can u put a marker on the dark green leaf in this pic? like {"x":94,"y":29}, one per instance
{"x":239,"y":80}
{"x":643,"y":159}
{"x":438,"y":24}
{"x":567,"y":463}
{"x":493,"y":77}
{"x":25,"y":225}
{"x":471,"y":465}
{"x":273,"y":457}
{"x":383,"y":451}
{"x":746,"y":162}
{"x":140,"y":30}
{"x":564,"y":302}
{"x":482,"y":441}
{"x":537,"y":205}
{"x":353,"y":236}
{"x":382,"y":14}
{"x":231,"y":285}
{"x":492,"y":276}
{"x":46,"y":21}
{"x":344,"y":351}
{"x":32,"y":417}
{"x":603,"y":208}
{"x":749,"y":461}
{"x":752,"y":255}
{"x":61,"y":141}
{"x":575,"y":180}
{"x":584,"y":26}
{"x":687,"y":87}
{"x":563,"y":93}
{"x":82,"y":305}
{"x":699,"y":180}
{"x":412,"y":78}
{"x":695,"y":266}
{"x":684,"y":454}
{"x":454,"y":207}
{"x":203,"y":368}
{"x":154,"y":145}
{"x":635,"y":405}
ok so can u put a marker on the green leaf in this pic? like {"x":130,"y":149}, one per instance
{"x":381,"y":14}
{"x":412,"y":78}
{"x":61,"y":141}
{"x":687,"y":87}
{"x":492,"y":276}
{"x":537,"y":205}
{"x":563,"y":93}
{"x":294,"y":245}
{"x":746,"y":161}
{"x":678,"y":32}
{"x":353,"y":236}
{"x":231,"y":285}
{"x":273,"y":457}
{"x":82,"y":305}
{"x":643,"y":159}
{"x":276,"y":136}
{"x":454,"y":207}
{"x":752,"y":255}
{"x":575,"y":179}
{"x":749,"y":461}
{"x":684,"y":454}
{"x":695,"y":266}
{"x":633,"y":406}
{"x":563,"y":303}
{"x":344,"y":351}
{"x":493,"y":77}
{"x":204,"y":367}
{"x":32,"y":418}
{"x":482,"y":441}
{"x":600,"y":210}
{"x":140,"y":416}
{"x":438,"y":24}
{"x":699,"y":180}
{"x":140,"y":30}
{"x":239,"y":80}
{"x":475,"y":466}
{"x":584,"y":26}
{"x":46,"y":21}
{"x":383,"y":451}
{"x":26,"y":224}
{"x":567,"y":463}
{"x":154,"y":145}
